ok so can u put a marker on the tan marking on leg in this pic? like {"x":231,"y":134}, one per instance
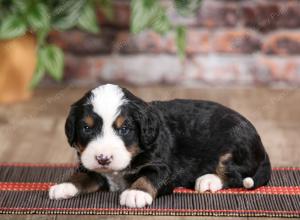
{"x":145,"y":185}
{"x":89,"y":121}
{"x":84,"y":183}
{"x":221,"y":168}
{"x":119,"y":121}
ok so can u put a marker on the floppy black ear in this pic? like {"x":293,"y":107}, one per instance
{"x":149,"y":122}
{"x":70,"y":127}
{"x":147,"y":117}
{"x":150,"y":126}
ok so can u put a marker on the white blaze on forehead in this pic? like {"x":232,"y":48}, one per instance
{"x":107,"y":100}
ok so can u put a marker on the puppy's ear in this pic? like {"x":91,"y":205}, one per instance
{"x":70,"y":127}
{"x":147,"y":118}
{"x":149,"y":122}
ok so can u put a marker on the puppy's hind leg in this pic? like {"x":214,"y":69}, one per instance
{"x":208,"y":182}
{"x":231,"y":176}
{"x":221,"y":178}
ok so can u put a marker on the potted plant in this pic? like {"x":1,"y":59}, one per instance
{"x":25,"y":54}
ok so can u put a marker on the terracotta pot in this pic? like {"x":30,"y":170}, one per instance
{"x":17,"y":65}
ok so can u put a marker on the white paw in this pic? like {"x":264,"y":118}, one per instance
{"x":208,"y":182}
{"x":62,"y":191}
{"x":135,"y":198}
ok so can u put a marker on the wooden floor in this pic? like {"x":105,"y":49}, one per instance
{"x":33,"y":131}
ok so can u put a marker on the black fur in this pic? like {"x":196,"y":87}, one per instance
{"x":181,"y":140}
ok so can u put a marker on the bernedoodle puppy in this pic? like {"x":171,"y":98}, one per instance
{"x":146,"y":149}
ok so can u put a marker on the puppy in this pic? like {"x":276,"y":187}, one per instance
{"x":145,"y":150}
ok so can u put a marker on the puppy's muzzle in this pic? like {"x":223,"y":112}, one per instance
{"x":104,"y":160}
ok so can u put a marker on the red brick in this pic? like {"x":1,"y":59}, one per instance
{"x":289,"y":16}
{"x":282,"y":69}
{"x":222,"y":70}
{"x":197,"y":41}
{"x":143,"y":69}
{"x":213,"y":13}
{"x":77,"y":69}
{"x":226,"y":41}
{"x":242,"y":70}
{"x":269,"y":15}
{"x":229,"y":70}
{"x":282,"y":43}
{"x":80,"y":42}
{"x":145,"y":42}
{"x":133,"y":69}
{"x":236,"y":41}
{"x":260,"y":15}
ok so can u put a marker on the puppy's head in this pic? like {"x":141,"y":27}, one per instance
{"x":109,"y":126}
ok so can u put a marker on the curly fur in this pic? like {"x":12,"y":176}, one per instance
{"x":176,"y":142}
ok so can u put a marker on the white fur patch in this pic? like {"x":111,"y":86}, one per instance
{"x":135,"y":198}
{"x":248,"y":182}
{"x":106,"y":101}
{"x":116,"y":181}
{"x":62,"y":191}
{"x":208,"y":182}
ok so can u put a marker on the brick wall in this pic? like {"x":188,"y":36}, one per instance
{"x":250,"y":42}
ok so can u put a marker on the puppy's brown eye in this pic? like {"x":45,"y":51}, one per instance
{"x":86,"y":129}
{"x":123,"y":131}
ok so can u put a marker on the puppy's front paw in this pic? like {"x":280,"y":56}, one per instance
{"x":208,"y":182}
{"x":62,"y":191}
{"x":135,"y":198}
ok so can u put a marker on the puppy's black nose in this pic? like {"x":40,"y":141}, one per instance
{"x":103,"y":160}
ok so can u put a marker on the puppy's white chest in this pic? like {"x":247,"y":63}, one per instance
{"x":116,"y":181}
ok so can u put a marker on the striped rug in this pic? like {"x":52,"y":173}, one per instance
{"x":23,"y":190}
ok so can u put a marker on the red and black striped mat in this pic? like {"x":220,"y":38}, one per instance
{"x":23,"y":190}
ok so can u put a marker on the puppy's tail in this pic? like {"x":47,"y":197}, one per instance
{"x":261,"y":177}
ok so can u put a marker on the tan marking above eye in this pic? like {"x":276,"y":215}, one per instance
{"x":89,"y":121}
{"x":119,"y":121}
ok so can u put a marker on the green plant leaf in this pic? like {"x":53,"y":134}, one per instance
{"x":139,"y":20}
{"x":161,"y":23}
{"x":52,"y":58}
{"x":41,"y":36}
{"x":38,"y":16}
{"x":21,"y":6}
{"x":88,"y":20}
{"x":181,"y":41}
{"x":11,"y":27}
{"x":149,"y":14}
{"x":38,"y":74}
{"x":187,"y":7}
{"x":66,"y":14}
{"x":106,"y":7}
{"x":141,"y":15}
